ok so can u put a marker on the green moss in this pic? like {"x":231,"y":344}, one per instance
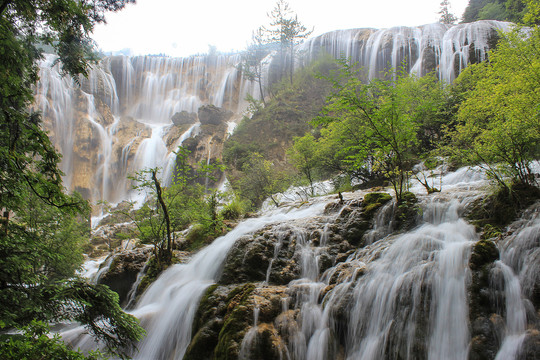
{"x":373,"y":201}
{"x":503,"y":206}
{"x":206,"y":327}
{"x":235,"y":323}
{"x":206,"y":303}
{"x":407,"y":211}
{"x":197,"y":238}
{"x":484,"y":252}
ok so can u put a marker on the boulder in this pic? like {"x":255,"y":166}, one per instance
{"x":123,"y":271}
{"x":184,"y":118}
{"x":210,"y":114}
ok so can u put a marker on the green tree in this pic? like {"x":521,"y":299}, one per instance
{"x":40,"y":235}
{"x":169,"y":210}
{"x":446,"y":16}
{"x":304,"y":156}
{"x":532,"y":13}
{"x":286,"y":30}
{"x":499,"y":121}
{"x":261,"y":181}
{"x":374,"y":128}
{"x":252,"y":60}
{"x":492,"y":11}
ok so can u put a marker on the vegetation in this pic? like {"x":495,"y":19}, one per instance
{"x":507,"y":10}
{"x":285,"y":31}
{"x":44,"y":228}
{"x":168,"y":210}
{"x":446,"y":16}
{"x":498,"y":122}
{"x":372,"y":130}
{"x":285,"y":116}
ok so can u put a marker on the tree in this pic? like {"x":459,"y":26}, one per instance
{"x":261,"y":181}
{"x":252,"y":60}
{"x":532,"y":13}
{"x":287,"y":31}
{"x":304,"y":156}
{"x":499,"y":121}
{"x":40,"y":238}
{"x":374,"y":128}
{"x":169,"y":210}
{"x":446,"y":16}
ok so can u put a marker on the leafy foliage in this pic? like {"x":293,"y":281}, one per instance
{"x":499,"y":121}
{"x":261,"y":180}
{"x":43,"y":227}
{"x":37,"y":343}
{"x":372,"y":130}
{"x":507,"y":10}
{"x":168,"y":210}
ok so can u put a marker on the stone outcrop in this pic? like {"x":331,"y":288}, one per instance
{"x":257,"y":306}
{"x":123,"y":271}
{"x":213,"y":115}
{"x":184,"y":118}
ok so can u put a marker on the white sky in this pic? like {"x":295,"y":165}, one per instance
{"x":188,"y":27}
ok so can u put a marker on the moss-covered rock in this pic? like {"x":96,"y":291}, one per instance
{"x":407,"y":212}
{"x":373,"y":201}
{"x":483,"y":252}
{"x":226,"y":313}
{"x":357,"y":217}
{"x":123,"y":271}
{"x":503,"y":206}
{"x":235,"y":323}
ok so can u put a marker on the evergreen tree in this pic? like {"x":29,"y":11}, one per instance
{"x":287,"y":31}
{"x":446,"y":16}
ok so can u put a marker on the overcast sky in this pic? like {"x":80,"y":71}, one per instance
{"x":188,"y":27}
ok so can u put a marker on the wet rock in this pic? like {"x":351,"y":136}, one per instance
{"x":484,"y":252}
{"x":123,"y":271}
{"x":357,"y":217}
{"x":183,"y":118}
{"x":248,"y":260}
{"x":484,"y":342}
{"x":268,"y":344}
{"x":210,"y":114}
{"x":530,"y":349}
{"x":226,"y":313}
{"x":407,"y":212}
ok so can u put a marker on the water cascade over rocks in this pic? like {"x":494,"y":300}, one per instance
{"x":133,"y":112}
{"x":325,"y":280}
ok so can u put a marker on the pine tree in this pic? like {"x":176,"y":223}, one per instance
{"x":446,"y":16}
{"x":287,"y":31}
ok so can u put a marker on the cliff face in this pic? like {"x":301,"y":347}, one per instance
{"x":133,"y":112}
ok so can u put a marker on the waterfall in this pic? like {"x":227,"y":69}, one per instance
{"x":520,"y":268}
{"x":167,"y":308}
{"x":403,"y":295}
{"x":434,"y":47}
{"x":98,"y":156}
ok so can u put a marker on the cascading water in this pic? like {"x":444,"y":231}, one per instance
{"x":174,"y":297}
{"x":400,"y":296}
{"x":433,"y":47}
{"x":151,"y":89}
{"x":520,"y":269}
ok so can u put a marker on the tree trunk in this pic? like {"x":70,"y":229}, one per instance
{"x":165,"y":215}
